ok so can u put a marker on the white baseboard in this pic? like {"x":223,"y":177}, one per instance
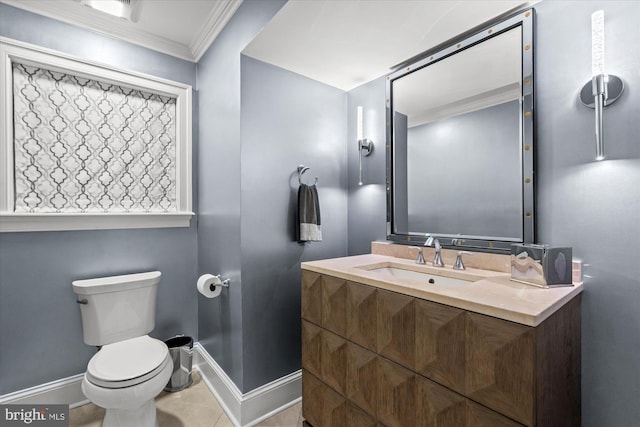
{"x":243,"y":409}
{"x":248,"y":409}
{"x":66,"y":390}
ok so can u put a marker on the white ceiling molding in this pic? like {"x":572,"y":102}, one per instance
{"x":74,"y":13}
{"x":216,"y":21}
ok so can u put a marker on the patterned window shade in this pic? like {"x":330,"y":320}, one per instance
{"x":86,"y":146}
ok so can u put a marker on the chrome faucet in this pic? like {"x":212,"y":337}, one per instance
{"x":420,"y":258}
{"x":437,"y":258}
{"x":459,"y":265}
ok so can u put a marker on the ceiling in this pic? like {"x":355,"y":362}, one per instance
{"x":180,"y":28}
{"x":341,"y":43}
{"x":347,"y":43}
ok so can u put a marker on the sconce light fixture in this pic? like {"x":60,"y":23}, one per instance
{"x":364,"y":144}
{"x":603,"y":89}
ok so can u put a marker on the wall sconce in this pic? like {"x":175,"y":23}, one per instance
{"x":603,"y":89}
{"x":364,"y":144}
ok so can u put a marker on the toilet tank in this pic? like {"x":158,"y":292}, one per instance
{"x":117,"y":308}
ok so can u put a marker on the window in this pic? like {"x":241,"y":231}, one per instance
{"x":86,"y":146}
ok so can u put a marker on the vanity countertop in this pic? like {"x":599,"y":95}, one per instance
{"x":490,"y":292}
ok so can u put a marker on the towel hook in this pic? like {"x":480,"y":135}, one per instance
{"x":301,"y":170}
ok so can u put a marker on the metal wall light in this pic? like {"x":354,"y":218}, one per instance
{"x":364,"y":144}
{"x":603,"y":89}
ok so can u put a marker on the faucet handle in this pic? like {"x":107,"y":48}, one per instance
{"x":459,"y":265}
{"x":437,"y":258}
{"x":420,"y":259}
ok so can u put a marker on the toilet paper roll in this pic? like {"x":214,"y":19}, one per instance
{"x":209,"y":285}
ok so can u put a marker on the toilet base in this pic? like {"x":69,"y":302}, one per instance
{"x":142,"y":416}
{"x":130,"y":406}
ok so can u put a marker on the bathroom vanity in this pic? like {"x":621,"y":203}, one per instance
{"x":386,"y":342}
{"x":382,"y":346}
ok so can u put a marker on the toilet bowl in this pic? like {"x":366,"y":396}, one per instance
{"x":125,"y":377}
{"x":131,"y":368}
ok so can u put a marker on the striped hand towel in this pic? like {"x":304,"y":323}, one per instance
{"x":309,"y":228}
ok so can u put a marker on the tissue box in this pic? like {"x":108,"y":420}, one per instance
{"x":541,"y":265}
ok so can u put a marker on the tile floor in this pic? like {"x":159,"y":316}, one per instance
{"x":192,"y":407}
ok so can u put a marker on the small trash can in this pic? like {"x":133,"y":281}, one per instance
{"x":181,"y":351}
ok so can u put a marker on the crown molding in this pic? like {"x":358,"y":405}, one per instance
{"x":216,"y":21}
{"x":96,"y":21}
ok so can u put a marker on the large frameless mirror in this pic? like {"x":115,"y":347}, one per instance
{"x":460,"y":141}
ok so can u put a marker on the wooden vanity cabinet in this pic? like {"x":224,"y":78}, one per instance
{"x":372,"y":357}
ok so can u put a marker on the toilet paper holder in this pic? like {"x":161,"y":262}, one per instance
{"x":224,"y":282}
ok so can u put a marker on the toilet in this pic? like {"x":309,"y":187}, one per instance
{"x":131,"y":368}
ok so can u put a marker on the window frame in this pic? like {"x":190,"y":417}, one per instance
{"x":14,"y":51}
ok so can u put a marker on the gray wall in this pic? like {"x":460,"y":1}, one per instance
{"x":287,"y":120}
{"x":258,"y":122}
{"x":591,"y":206}
{"x":367,"y":203}
{"x":40,"y":326}
{"x":220,"y":320}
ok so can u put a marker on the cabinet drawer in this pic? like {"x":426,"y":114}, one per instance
{"x":362,"y":378}
{"x":479,"y":416}
{"x":334,"y":361}
{"x":311,"y":295}
{"x":312,"y":398}
{"x":397,"y":392}
{"x":440,"y":344}
{"x":350,"y":370}
{"x":322,"y":406}
{"x":334,"y":305}
{"x":437,"y":406}
{"x":362,"y":317}
{"x":312,"y":348}
{"x":499,"y":366}
{"x":396,"y":327}
{"x":356,"y":417}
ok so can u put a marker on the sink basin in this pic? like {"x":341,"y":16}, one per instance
{"x":427,"y":278}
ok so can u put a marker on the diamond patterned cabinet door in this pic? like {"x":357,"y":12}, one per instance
{"x":312,"y":398}
{"x":334,"y":361}
{"x":362,"y":378}
{"x":311,"y":306}
{"x":362,"y":307}
{"x":438,"y":406}
{"x":479,"y":416}
{"x":334,"y":409}
{"x":356,"y":417}
{"x":311,"y":348}
{"x":397,"y":395}
{"x":440,"y":343}
{"x":499,"y":366}
{"x":322,"y":406}
{"x":396,"y":327}
{"x":334,"y":305}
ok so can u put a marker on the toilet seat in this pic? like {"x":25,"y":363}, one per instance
{"x":127,"y":363}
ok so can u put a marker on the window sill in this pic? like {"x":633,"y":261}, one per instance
{"x":11,"y":222}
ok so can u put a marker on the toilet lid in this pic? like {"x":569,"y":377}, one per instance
{"x":128,"y":362}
